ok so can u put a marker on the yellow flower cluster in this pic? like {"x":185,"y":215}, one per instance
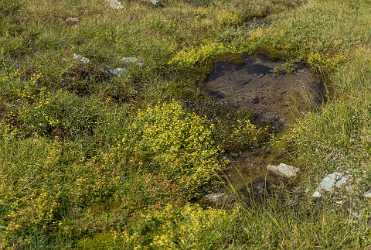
{"x":192,"y":56}
{"x":176,"y":228}
{"x":179,"y":142}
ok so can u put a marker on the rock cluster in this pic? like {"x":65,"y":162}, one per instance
{"x":127,"y":61}
{"x":330,"y":182}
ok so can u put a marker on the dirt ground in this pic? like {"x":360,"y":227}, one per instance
{"x":273,"y":94}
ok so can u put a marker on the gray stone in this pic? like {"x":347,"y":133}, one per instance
{"x":330,"y":182}
{"x":118,"y":71}
{"x":283,"y":170}
{"x":218,"y":200}
{"x":81,"y":58}
{"x":115,"y":4}
{"x":156,"y":2}
{"x":367,"y":195}
{"x":72,"y":20}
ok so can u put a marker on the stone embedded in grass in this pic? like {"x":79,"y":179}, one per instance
{"x":156,"y":2}
{"x":316,"y":194}
{"x":81,"y":58}
{"x":367,"y":195}
{"x":132,"y":60}
{"x":118,"y":71}
{"x":283,"y":170}
{"x":72,"y":20}
{"x":330,"y":182}
{"x":115,"y":4}
{"x":218,"y":200}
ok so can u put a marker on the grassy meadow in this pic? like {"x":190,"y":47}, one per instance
{"x":89,"y":160}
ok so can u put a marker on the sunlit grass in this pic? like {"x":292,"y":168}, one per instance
{"x":92,"y":161}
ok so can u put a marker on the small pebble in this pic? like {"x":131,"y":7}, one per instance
{"x":118,"y":71}
{"x":81,"y":58}
{"x":367,"y":195}
{"x":156,"y":2}
{"x":115,"y":4}
{"x":72,"y":20}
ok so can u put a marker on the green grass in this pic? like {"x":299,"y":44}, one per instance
{"x":98,"y":162}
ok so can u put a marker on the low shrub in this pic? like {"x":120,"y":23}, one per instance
{"x":193,"y":56}
{"x":189,"y":227}
{"x":243,"y":135}
{"x":62,"y":114}
{"x":178,"y":143}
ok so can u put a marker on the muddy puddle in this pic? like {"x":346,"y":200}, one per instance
{"x":275,"y":92}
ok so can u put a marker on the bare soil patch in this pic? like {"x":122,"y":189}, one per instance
{"x":274,"y":95}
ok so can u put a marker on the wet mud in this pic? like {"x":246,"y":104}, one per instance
{"x":274,"y":94}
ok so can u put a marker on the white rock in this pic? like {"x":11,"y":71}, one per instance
{"x":115,"y":4}
{"x":131,"y":60}
{"x":156,"y":2}
{"x":367,"y":195}
{"x":283,"y":170}
{"x":316,"y":194}
{"x":330,"y":182}
{"x":118,"y":71}
{"x":72,"y":20}
{"x":81,"y":59}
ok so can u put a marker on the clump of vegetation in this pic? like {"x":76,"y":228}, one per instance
{"x":62,"y":114}
{"x":42,"y":112}
{"x":242,"y":135}
{"x":199,"y":56}
{"x":178,"y":143}
{"x":192,"y":227}
{"x":174,"y":228}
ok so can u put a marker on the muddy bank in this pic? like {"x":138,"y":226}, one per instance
{"x":275,"y":92}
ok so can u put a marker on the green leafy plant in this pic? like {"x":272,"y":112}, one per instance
{"x":63,"y":114}
{"x":180,"y":143}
